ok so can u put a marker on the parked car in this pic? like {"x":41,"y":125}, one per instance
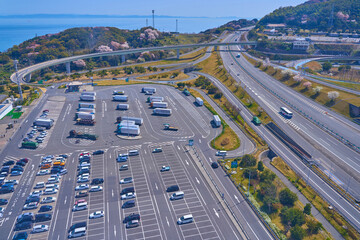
{"x":40,"y":228}
{"x":77,"y":225}
{"x":129,"y":195}
{"x":21,"y":236}
{"x":98,"y":152}
{"x":97,"y":214}
{"x":39,"y":185}
{"x":3,"y":201}
{"x":157,"y":150}
{"x":214,"y":165}
{"x":9,"y":163}
{"x":13,"y":182}
{"x":25,"y":217}
{"x":173,"y":188}
{"x":132,"y":216}
{"x":23,"y":226}
{"x":81,"y":194}
{"x":63,"y":172}
{"x":43,"y":172}
{"x":24,"y":160}
{"x":16,"y":173}
{"x":82,"y":187}
{"x":42,"y":217}
{"x":95,"y":189}
{"x":31,"y":205}
{"x":97,"y":181}
{"x":50,"y":191}
{"x":82,"y":179}
{"x":132,"y":224}
{"x":48,"y":200}
{"x":129,"y":204}
{"x":22,"y":164}
{"x":165,"y":169}
{"x":124,"y":167}
{"x":30,"y":199}
{"x":45,"y":208}
{"x":126,"y":180}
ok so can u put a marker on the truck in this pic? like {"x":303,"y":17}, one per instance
{"x":170,"y":128}
{"x":138,"y":121}
{"x":155,"y":99}
{"x":159,"y":104}
{"x":148,"y":89}
{"x":75,"y":134}
{"x":127,"y":123}
{"x":199,"y":101}
{"x":122,"y":107}
{"x":217,"y":121}
{"x":118,"y":92}
{"x":29,"y":144}
{"x":131,"y":130}
{"x":88,"y":94}
{"x":186,"y":92}
{"x":83,"y":121}
{"x":87,"y":105}
{"x":44,"y":122}
{"x":85,"y":115}
{"x":120,"y":98}
{"x":162,"y":111}
{"x":88,"y":98}
{"x":256,"y":121}
{"x":89,"y":110}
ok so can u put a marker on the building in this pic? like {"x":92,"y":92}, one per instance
{"x":276,"y":26}
{"x":74,"y":86}
{"x":301,"y":44}
{"x":5,"y":109}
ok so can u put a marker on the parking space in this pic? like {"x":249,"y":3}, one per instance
{"x":202,"y":227}
{"x":149,"y":225}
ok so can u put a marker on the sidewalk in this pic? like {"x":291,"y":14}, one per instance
{"x":335,"y":234}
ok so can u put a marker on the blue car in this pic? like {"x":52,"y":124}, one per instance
{"x":165,"y":168}
{"x":16,"y":173}
{"x":3,"y":201}
{"x":45,"y":208}
{"x":20,"y":236}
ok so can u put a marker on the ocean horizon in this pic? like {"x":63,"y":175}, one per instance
{"x":17,"y":29}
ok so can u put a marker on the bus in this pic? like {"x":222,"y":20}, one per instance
{"x":285,"y":112}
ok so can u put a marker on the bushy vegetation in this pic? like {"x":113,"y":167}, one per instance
{"x":233,"y":26}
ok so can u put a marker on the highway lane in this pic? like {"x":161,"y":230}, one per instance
{"x":343,"y":206}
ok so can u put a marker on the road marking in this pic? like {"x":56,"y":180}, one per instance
{"x":186,"y":162}
{"x":178,"y":147}
{"x":216,"y":213}
{"x":156,"y":187}
{"x":65,"y":199}
{"x":236,"y":198}
{"x":115,"y":230}
{"x":197,"y":180}
{"x":199,"y":140}
{"x":112,"y":192}
{"x":167,"y":221}
{"x":210,"y":159}
{"x":26,"y":121}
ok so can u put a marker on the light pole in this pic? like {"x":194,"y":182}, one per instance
{"x":17,"y":79}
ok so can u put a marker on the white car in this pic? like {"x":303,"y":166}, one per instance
{"x":129,"y":195}
{"x":29,"y":206}
{"x":97,"y":214}
{"x":53,"y":180}
{"x":126,"y":180}
{"x":43,"y":172}
{"x":37,"y":192}
{"x":40,"y":228}
{"x":82,"y":179}
{"x":82,"y":187}
{"x":14,"y":182}
{"x":63,"y":172}
{"x":2,"y":211}
{"x":50,"y":191}
{"x":48,"y":200}
{"x":95,"y":189}
{"x":39,"y":185}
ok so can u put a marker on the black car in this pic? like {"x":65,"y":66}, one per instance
{"x":5,"y":169}
{"x":4,"y":190}
{"x":32,"y":199}
{"x":21,"y":164}
{"x":77,"y":225}
{"x":129,"y":204}
{"x":214,"y":165}
{"x":26,"y":160}
{"x":45,"y":208}
{"x":55,"y":170}
{"x":173,"y":188}
{"x":96,"y":181}
{"x":20,"y":236}
{"x":63,"y":155}
{"x":132,"y":216}
{"x":42,"y":217}
{"x":98,"y":152}
{"x":3,"y":201}
{"x":26,"y":217}
{"x":23,"y":226}
{"x":8,"y":163}
{"x":17,"y":168}
{"x":127,"y":190}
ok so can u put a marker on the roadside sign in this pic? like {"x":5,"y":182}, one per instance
{"x":191,"y":142}
{"x":234,"y":164}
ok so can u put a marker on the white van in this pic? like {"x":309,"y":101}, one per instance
{"x":52,"y":186}
{"x":39,"y":185}
{"x":80,"y":206}
{"x":78,"y":232}
{"x":133,"y":152}
{"x":185,"y":219}
{"x":177,"y":195}
{"x":221,"y":153}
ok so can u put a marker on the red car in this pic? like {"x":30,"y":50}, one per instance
{"x":80,"y":201}
{"x":24,"y":160}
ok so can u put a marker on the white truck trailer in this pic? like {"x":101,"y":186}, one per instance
{"x":122,"y":107}
{"x":162,"y":111}
{"x":159,"y":104}
{"x":120,"y":98}
{"x":217,"y":121}
{"x":199,"y":101}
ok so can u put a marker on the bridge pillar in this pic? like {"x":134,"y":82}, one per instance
{"x":68,"y":69}
{"x":28,"y":77}
{"x":123,"y":59}
{"x":177,"y":53}
{"x":215,"y":48}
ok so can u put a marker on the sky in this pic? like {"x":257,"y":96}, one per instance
{"x":199,"y":8}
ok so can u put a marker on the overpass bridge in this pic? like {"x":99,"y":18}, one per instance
{"x":25,"y":73}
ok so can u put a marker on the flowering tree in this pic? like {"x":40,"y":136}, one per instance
{"x":298,"y":78}
{"x":103,"y":48}
{"x":307,"y":85}
{"x":317,"y":89}
{"x":80,"y":63}
{"x":333,"y":95}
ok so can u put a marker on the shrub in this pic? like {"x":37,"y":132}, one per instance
{"x":248,"y":161}
{"x":267,"y":176}
{"x":297,"y":233}
{"x":225,"y":141}
{"x":287,"y":197}
{"x":293,"y":216}
{"x":260,"y":166}
{"x":218,"y":95}
{"x":313,"y":226}
{"x":326,"y":66}
{"x":333,"y":95}
{"x":307,"y":209}
{"x":251,"y":172}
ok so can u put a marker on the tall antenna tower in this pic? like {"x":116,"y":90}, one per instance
{"x":153,"y":16}
{"x":331,"y":19}
{"x":176,"y":25}
{"x":17,"y":79}
{"x":147,"y":23}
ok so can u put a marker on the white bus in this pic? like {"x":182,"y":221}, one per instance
{"x":285,"y":112}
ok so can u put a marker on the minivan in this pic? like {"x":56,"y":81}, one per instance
{"x":185,"y":219}
{"x":39,"y":185}
{"x":221,"y":153}
{"x":77,"y":232}
{"x":129,"y":204}
{"x":77,"y":225}
{"x":127,"y":190}
{"x":133,"y":152}
{"x":80,"y":206}
{"x":42,"y":217}
{"x":177,"y":195}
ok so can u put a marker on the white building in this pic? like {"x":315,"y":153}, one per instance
{"x":301,"y":44}
{"x":5,"y":109}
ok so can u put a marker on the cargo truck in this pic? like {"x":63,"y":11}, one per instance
{"x":217,"y":121}
{"x":88,"y":110}
{"x":29,"y":144}
{"x":159,"y":104}
{"x":162,"y":111}
{"x":87,"y":105}
{"x":120,"y":98}
{"x":155,"y":99}
{"x":122,"y":107}
{"x":44,"y":122}
{"x":89,"y":98}
{"x":74,"y":134}
{"x":148,"y":89}
{"x":118,"y":92}
{"x":131,"y":130}
{"x":85,"y":115}
{"x":88,"y":94}
{"x":138,"y":121}
{"x":199,"y":101}
{"x":170,"y":128}
{"x":186,"y":92}
{"x":127,"y":123}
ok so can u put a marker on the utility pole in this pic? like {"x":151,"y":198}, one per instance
{"x":17,"y":79}
{"x":331,"y":19}
{"x":176,"y":26}
{"x":147,"y":23}
{"x":153,"y":16}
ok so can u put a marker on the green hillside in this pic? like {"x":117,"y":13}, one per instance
{"x":316,"y":15}
{"x":232,"y":26}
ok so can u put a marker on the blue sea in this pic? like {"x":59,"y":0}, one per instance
{"x":15,"y":30}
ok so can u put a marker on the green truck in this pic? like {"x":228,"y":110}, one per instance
{"x":186,"y":92}
{"x":29,"y":144}
{"x":256,"y":121}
